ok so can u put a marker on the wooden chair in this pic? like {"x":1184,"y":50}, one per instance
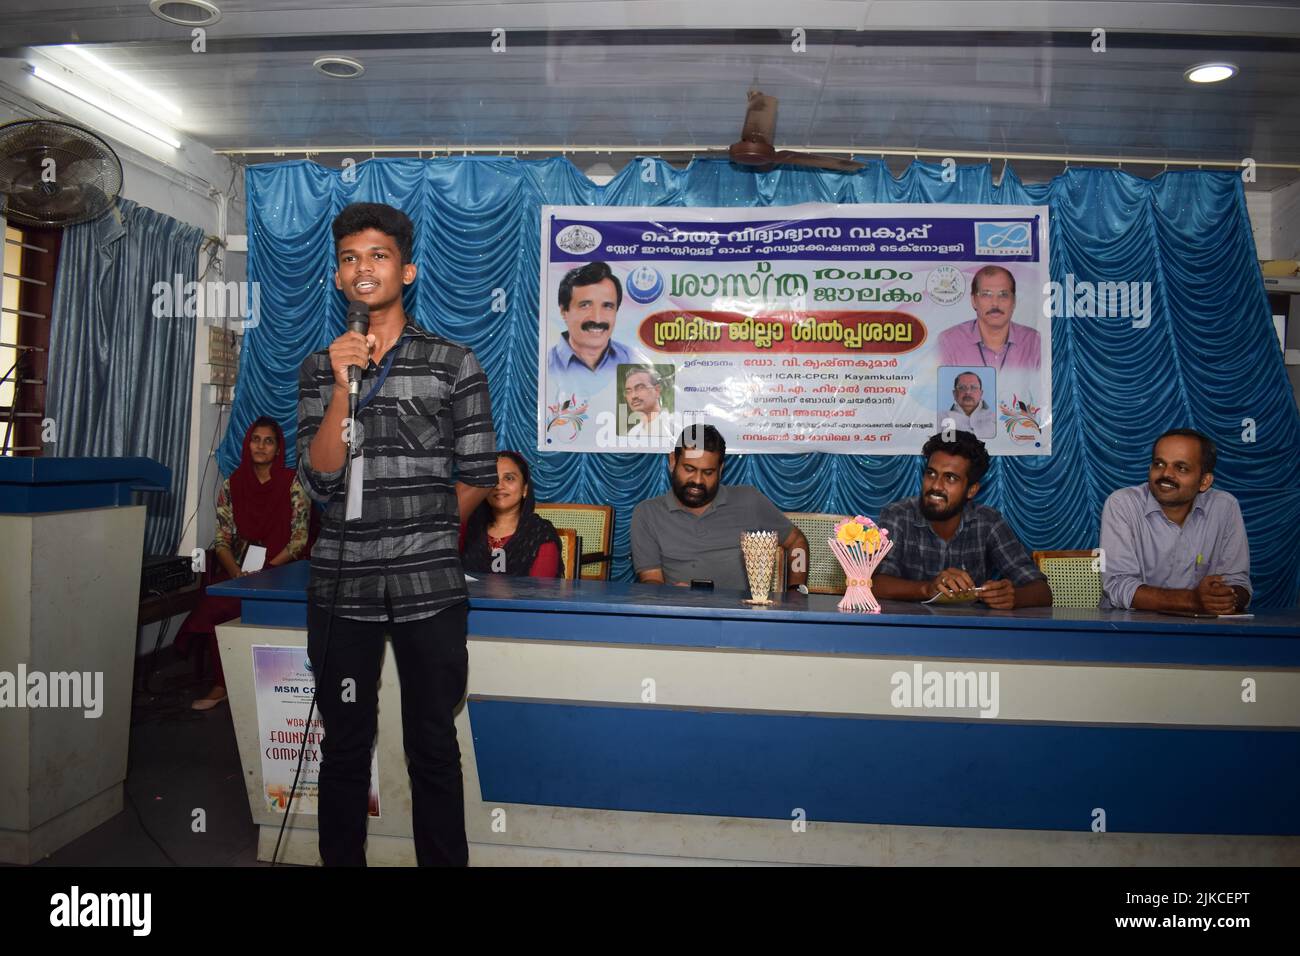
{"x":825,"y":576}
{"x":594,"y":526}
{"x":568,"y":553}
{"x":1071,"y":575}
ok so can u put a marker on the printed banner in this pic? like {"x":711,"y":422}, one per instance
{"x":283,"y":683}
{"x":857,"y":329}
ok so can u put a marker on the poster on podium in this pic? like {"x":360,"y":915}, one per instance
{"x":284,"y":684}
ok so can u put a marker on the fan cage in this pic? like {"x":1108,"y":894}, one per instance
{"x":82,"y":184}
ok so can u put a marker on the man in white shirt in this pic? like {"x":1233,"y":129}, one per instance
{"x":643,"y":396}
{"x":969,"y":412}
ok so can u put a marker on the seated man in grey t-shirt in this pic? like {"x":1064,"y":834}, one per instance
{"x":693,"y":531}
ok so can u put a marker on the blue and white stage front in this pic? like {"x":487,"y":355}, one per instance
{"x":614,"y":723}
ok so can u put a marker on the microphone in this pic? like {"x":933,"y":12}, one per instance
{"x":358,"y":321}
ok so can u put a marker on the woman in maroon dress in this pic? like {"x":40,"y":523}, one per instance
{"x":261,"y":503}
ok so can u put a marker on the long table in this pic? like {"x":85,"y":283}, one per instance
{"x":614,"y":722}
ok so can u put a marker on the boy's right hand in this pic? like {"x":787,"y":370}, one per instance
{"x":350,"y":348}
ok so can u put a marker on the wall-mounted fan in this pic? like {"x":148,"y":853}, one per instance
{"x":56,"y":174}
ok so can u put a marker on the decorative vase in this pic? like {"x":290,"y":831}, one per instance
{"x":759,"y":551}
{"x":859,"y":545}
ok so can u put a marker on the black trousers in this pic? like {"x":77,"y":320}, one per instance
{"x":432,"y":663}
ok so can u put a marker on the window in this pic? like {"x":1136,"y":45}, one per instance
{"x":26,"y":298}
{"x":13,"y":264}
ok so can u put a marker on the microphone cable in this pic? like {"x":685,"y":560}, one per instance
{"x":334,"y":598}
{"x":325,"y":647}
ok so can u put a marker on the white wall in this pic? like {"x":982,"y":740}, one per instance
{"x":1275,"y":220}
{"x":191,"y":184}
{"x":1259,"y":206}
{"x":1284,"y":222}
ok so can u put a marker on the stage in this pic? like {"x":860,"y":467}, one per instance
{"x":614,"y":723}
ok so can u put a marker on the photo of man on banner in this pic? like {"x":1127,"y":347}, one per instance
{"x":584,"y":360}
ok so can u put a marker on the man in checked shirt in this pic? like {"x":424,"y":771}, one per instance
{"x":428,"y":456}
{"x":947,"y":543}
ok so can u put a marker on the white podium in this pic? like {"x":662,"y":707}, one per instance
{"x":71,"y":545}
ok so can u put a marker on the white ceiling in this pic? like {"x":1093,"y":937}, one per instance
{"x":995,"y":78}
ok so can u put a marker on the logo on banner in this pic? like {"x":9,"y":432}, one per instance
{"x":1002,"y":239}
{"x":645,"y":285}
{"x":578,"y":240}
{"x":946,"y":285}
{"x":1020,"y":419}
{"x":565,"y":418}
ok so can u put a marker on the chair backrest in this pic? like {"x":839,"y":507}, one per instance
{"x":1071,"y":575}
{"x":568,"y":553}
{"x":594,"y":525}
{"x":825,"y":576}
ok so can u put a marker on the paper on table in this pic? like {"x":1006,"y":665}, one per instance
{"x":356,"y":482}
{"x":255,"y":559}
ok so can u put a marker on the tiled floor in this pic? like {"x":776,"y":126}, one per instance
{"x":180,"y":761}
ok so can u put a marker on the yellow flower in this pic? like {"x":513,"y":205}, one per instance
{"x":872,"y":536}
{"x":850,"y":533}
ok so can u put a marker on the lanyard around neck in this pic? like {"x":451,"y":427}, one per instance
{"x":1005,"y":352}
{"x":383,"y":375}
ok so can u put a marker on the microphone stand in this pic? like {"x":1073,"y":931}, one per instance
{"x":354,"y":390}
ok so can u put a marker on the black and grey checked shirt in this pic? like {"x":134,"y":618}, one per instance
{"x":984,"y":546}
{"x":427,"y":426}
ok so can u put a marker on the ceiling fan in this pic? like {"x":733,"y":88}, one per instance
{"x":756,"y":136}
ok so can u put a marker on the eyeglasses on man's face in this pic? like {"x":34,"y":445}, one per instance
{"x":969,"y":388}
{"x":639,"y":389}
{"x":1001,"y":295}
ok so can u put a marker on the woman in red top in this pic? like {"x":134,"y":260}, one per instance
{"x":505,"y":535}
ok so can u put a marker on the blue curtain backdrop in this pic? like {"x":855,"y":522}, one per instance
{"x":1209,"y":359}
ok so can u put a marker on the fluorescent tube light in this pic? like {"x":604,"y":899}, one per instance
{"x":123,"y":78}
{"x":160,"y":133}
